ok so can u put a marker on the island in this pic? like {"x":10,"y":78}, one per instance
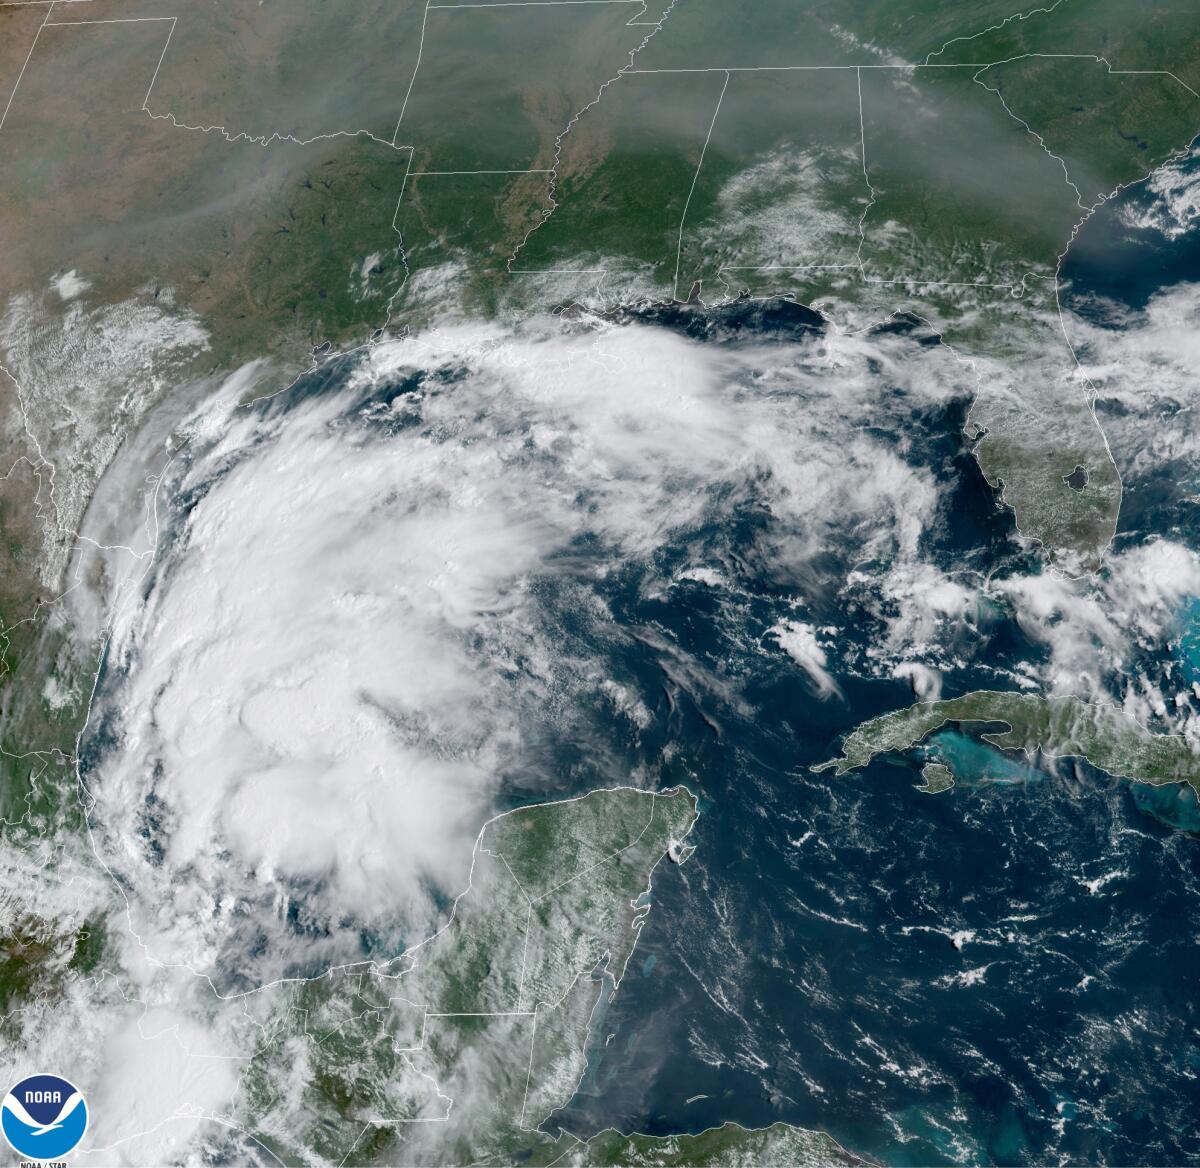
{"x":1058,"y":727}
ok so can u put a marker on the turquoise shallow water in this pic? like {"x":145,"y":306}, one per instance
{"x":1004,"y":973}
{"x":934,"y":980}
{"x":1189,"y":642}
{"x":1175,"y":805}
{"x":974,"y":761}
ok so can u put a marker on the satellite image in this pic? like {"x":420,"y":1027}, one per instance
{"x":600,"y":582}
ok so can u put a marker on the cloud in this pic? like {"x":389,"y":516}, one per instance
{"x":1174,"y":205}
{"x":159,"y":1073}
{"x":70,"y":284}
{"x":926,"y":683}
{"x":1093,"y":627}
{"x":919,"y":606}
{"x":1143,"y":368}
{"x":87,"y":375}
{"x":1145,"y":584}
{"x":799,"y":641}
{"x":368,"y":601}
{"x":312,"y":696}
{"x":1103,"y":634}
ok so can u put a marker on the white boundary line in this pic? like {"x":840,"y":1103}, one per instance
{"x":978,"y":79}
{"x":519,"y":170}
{"x":980,"y":68}
{"x":913,"y":67}
{"x":655,"y":27}
{"x":25,"y":65}
{"x":871,"y":192}
{"x":413,"y":79}
{"x":157,"y":67}
{"x":692,"y":189}
{"x":1016,"y":16}
{"x":110,"y":20}
{"x":528,"y":1071}
{"x":239,"y":136}
{"x":535,"y":4}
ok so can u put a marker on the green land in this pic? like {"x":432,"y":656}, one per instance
{"x":1058,"y":727}
{"x":936,"y":777}
{"x":462,"y":1048}
{"x":187,"y":190}
{"x":274,"y":183}
{"x":728,"y":1146}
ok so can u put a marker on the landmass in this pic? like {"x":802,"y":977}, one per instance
{"x":728,"y":1146}
{"x":1059,"y":727}
{"x":463,"y":1047}
{"x":194,"y":190}
{"x":936,"y":778}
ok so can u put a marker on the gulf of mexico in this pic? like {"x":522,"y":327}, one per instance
{"x":1004,"y":974}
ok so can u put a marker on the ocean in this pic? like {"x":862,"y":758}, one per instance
{"x":1006,"y":973}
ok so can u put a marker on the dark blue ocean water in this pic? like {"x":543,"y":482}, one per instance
{"x":1007,"y":973}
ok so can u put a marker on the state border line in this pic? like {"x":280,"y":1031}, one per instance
{"x":912,"y":66}
{"x":25,"y":65}
{"x":692,"y":189}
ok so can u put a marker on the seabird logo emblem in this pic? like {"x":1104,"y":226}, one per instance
{"x":43,"y":1117}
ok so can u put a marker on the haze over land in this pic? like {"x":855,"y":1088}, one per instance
{"x":457,"y":453}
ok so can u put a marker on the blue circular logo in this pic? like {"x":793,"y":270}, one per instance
{"x":43,"y":1117}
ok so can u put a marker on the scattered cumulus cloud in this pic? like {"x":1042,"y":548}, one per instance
{"x":1144,"y":374}
{"x":315,"y":692}
{"x":926,"y":683}
{"x":799,"y":641}
{"x":1093,"y":627}
{"x":1174,"y":204}
{"x":85,"y":378}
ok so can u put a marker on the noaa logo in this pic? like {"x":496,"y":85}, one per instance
{"x":43,"y":1117}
